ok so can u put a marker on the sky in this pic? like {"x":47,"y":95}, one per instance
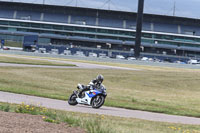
{"x":182,"y":8}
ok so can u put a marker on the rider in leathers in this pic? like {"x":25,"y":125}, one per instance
{"x":96,"y":83}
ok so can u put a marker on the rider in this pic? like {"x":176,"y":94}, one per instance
{"x":95,"y":83}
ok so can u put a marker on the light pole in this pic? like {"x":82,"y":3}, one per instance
{"x":139,"y":28}
{"x":43,"y":2}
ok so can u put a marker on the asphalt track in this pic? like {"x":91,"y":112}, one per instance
{"x":136,"y":62}
{"x":78,"y":64}
{"x":63,"y":105}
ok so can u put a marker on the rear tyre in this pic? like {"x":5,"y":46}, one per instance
{"x":98,"y":101}
{"x":72,"y":100}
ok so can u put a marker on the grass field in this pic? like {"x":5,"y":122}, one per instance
{"x":100,"y":123}
{"x":13,"y":44}
{"x":4,"y":59}
{"x":156,"y":90}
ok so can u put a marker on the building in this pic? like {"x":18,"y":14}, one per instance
{"x":97,"y":30}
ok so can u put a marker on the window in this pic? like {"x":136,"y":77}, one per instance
{"x":44,"y":40}
{"x":187,"y":39}
{"x":132,"y":34}
{"x":148,"y":41}
{"x":146,"y":35}
{"x":3,"y":28}
{"x":3,"y":22}
{"x":15,"y":23}
{"x":58,"y":27}
{"x":124,"y":33}
{"x":167,"y":37}
{"x":102,"y":30}
{"x":24,"y":24}
{"x":80,"y":29}
{"x":24,"y":30}
{"x":176,"y":38}
{"x":69,"y":28}
{"x":35,"y":25}
{"x":46,"y":26}
{"x":91,"y":29}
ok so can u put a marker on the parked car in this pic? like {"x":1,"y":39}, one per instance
{"x":6,"y":48}
{"x":92,"y":54}
{"x":131,"y":58}
{"x":144,"y":58}
{"x":80,"y":54}
{"x":120,"y":57}
{"x":192,"y":61}
{"x":101,"y":55}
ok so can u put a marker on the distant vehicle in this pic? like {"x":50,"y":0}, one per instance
{"x":92,"y":54}
{"x":42,"y":50}
{"x":120,"y":57}
{"x":101,"y":55}
{"x":156,"y":60}
{"x":193,"y":61}
{"x":6,"y":48}
{"x":150,"y":59}
{"x":180,"y":62}
{"x":168,"y":60}
{"x":54,"y":51}
{"x":79,"y":53}
{"x":67,"y":52}
{"x":131,"y":58}
{"x":144,"y":58}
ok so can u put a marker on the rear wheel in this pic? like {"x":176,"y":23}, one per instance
{"x":98,"y":101}
{"x":72,"y":100}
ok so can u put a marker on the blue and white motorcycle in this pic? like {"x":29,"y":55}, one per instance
{"x":94,"y":97}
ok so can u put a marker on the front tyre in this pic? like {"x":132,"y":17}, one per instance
{"x":72,"y":100}
{"x":97,"y":101}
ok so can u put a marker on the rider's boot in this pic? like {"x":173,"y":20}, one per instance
{"x":80,"y":94}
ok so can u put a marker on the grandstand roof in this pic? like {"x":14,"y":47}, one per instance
{"x":147,"y":17}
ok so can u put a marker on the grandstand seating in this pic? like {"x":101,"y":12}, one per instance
{"x":131,"y":24}
{"x":5,"y":13}
{"x":192,"y":30}
{"x":83,"y":20}
{"x":146,"y":26}
{"x":88,"y":19}
{"x":28,"y":15}
{"x":170,"y":28}
{"x":54,"y":17}
{"x":111,"y":23}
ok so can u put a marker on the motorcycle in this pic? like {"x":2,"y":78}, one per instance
{"x":94,"y":97}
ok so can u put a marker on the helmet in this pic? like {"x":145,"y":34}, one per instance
{"x":100,"y":78}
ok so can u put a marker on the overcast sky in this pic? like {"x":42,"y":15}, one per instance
{"x":184,"y":8}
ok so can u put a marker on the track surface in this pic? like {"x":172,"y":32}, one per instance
{"x":63,"y":105}
{"x":137,"y":62}
{"x":78,"y":64}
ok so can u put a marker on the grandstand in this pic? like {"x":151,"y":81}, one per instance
{"x":98,"y":30}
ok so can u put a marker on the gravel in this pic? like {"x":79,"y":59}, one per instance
{"x":25,"y":123}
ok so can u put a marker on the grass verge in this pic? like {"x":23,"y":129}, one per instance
{"x":156,"y":91}
{"x":99,"y":123}
{"x":4,"y":59}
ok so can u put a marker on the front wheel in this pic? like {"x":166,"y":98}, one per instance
{"x":98,"y":101}
{"x":72,"y":100}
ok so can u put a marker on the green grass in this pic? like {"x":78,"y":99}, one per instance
{"x":13,"y":44}
{"x":167,"y":92}
{"x":100,"y":123}
{"x":4,"y":59}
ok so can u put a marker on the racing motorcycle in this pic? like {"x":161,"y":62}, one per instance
{"x":94,"y":97}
